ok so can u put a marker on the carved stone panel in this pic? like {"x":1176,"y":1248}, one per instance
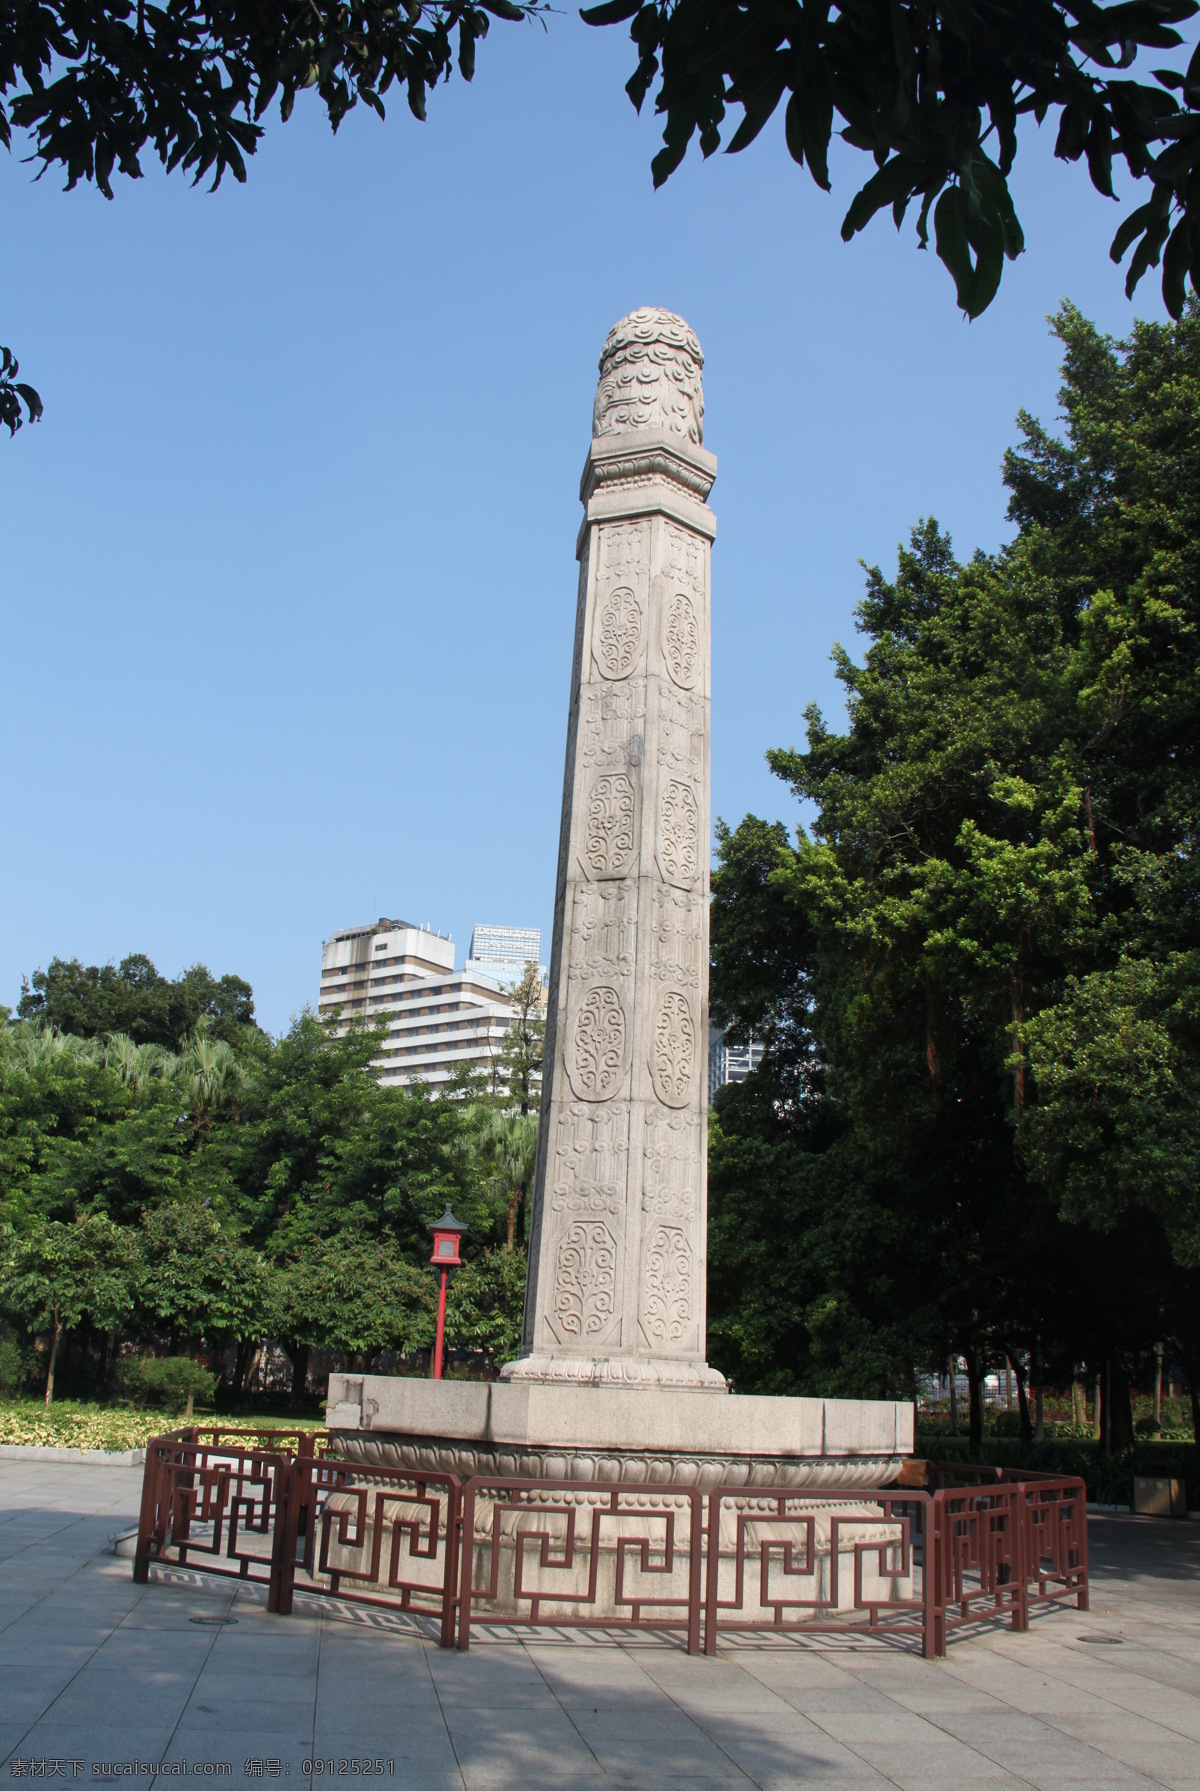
{"x":597,"y":1041}
{"x":681,"y":639}
{"x":671,"y":1166}
{"x":667,"y":1286}
{"x":685,"y":560}
{"x":679,"y":833}
{"x":673,"y":1049}
{"x":604,"y":932}
{"x":617,"y":633}
{"x":681,"y":727}
{"x":677,"y":936}
{"x":591,"y":1154}
{"x":610,"y":825}
{"x":585,"y":1281}
{"x":614,"y":720}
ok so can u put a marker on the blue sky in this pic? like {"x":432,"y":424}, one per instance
{"x":288,"y":568}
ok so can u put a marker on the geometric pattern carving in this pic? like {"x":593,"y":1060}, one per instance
{"x":679,"y":834}
{"x":585,"y":1281}
{"x":618,"y":633}
{"x":667,"y":1299}
{"x":597,"y":1055}
{"x":609,"y":841}
{"x":681,"y":640}
{"x":673,"y":1049}
{"x":671,"y":1167}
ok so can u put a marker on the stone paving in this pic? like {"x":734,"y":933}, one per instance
{"x":110,"y":1682}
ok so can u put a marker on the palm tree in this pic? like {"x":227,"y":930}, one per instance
{"x":211,"y":1075}
{"x":135,"y":1064}
{"x":29,"y":1045}
{"x":510,"y":1140}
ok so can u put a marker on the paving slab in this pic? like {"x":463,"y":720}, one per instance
{"x":121,"y":1677}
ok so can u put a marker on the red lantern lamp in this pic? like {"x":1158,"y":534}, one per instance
{"x":447,"y":1231}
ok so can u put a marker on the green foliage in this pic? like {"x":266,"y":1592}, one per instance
{"x":98,"y":82}
{"x":977,"y":1125}
{"x":934,"y":94}
{"x":15,"y":396}
{"x":171,"y":1381}
{"x":520,"y":1058}
{"x":354,"y":1293}
{"x":61,"y":1275}
{"x":198,"y":1280}
{"x":485,"y":1302}
{"x":134,"y":999}
{"x":193,"y":83}
{"x":1117,"y":1067}
{"x":508,"y":1143}
{"x":258,"y":1188}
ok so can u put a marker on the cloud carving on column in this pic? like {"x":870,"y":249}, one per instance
{"x":650,"y":370}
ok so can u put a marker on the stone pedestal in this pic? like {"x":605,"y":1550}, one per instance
{"x":609,"y":1434}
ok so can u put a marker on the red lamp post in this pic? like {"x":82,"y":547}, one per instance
{"x":446,"y":1234}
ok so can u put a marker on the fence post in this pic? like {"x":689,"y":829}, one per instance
{"x":450,"y":1579}
{"x":147,"y":1513}
{"x":934,"y":1639}
{"x":1024,"y":1544}
{"x":712,"y":1583}
{"x":1083,"y":1599}
{"x":468,"y":1563}
{"x":695,"y":1568}
{"x":292,"y":1479}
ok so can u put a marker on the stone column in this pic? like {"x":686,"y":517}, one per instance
{"x":616,"y":1290}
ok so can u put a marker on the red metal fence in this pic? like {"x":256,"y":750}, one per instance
{"x":498,"y":1550}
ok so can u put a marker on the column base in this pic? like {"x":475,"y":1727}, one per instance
{"x":613,"y":1371}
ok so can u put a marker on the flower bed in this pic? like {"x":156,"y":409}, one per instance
{"x":74,"y":1424}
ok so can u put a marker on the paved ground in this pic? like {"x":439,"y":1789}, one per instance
{"x":101,"y":1679}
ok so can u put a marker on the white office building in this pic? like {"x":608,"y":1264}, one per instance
{"x":730,"y":1063}
{"x":437,"y":1019}
{"x":506,"y":952}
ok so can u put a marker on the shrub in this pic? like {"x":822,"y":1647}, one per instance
{"x":170,"y":1381}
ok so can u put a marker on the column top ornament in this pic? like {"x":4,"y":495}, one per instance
{"x":650,"y":369}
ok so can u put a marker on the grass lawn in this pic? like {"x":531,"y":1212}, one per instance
{"x":75,"y":1424}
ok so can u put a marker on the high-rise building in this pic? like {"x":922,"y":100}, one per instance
{"x":506,"y":952}
{"x":730,"y":1063}
{"x":438,"y":1019}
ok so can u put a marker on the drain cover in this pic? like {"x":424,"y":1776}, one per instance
{"x":1107,"y":1641}
{"x":212,"y":1619}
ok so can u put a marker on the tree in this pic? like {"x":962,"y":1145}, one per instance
{"x":55,"y":1276}
{"x":354,"y":1293}
{"x":524,"y":1046}
{"x":133,"y":998}
{"x":976,"y":980}
{"x":485,"y":1304}
{"x":934,"y":94}
{"x":199,"y":1281}
{"x":510,"y":1142}
{"x":210,"y":1075}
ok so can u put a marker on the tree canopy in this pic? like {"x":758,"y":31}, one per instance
{"x":977,"y":977}
{"x":133,"y":998}
{"x":245,"y":1188}
{"x":935,"y":94}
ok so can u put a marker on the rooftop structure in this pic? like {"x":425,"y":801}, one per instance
{"x":505,"y":952}
{"x":438,"y":1019}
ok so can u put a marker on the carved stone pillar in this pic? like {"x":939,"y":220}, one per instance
{"x":616,"y":1290}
